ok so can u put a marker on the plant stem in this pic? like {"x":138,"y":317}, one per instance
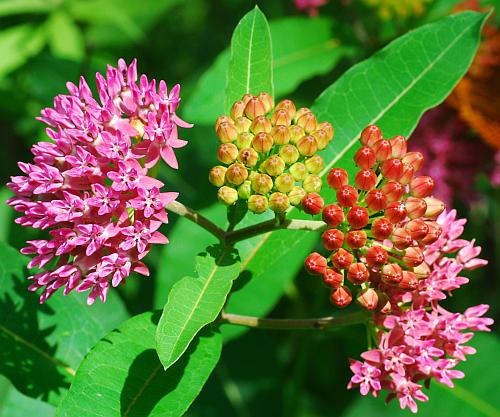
{"x":321,"y":323}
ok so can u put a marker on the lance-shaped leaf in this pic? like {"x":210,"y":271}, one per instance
{"x":195,"y":302}
{"x":123,"y":377}
{"x":251,"y":62}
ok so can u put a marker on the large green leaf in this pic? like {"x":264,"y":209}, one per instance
{"x":65,"y":37}
{"x":42,"y":345}
{"x":251,"y":63}
{"x":195,"y":302}
{"x":474,"y":396}
{"x":123,"y":377}
{"x":295,"y":58}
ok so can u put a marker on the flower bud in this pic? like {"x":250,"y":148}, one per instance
{"x":278,"y":202}
{"x":337,"y":178}
{"x":257,"y":203}
{"x":299,"y":171}
{"x":365,"y":179}
{"x":342,"y":259}
{"x":393,"y":190}
{"x":407,"y":175}
{"x":262,"y":183}
{"x":434,"y":207}
{"x":422,"y":271}
{"x":227,"y":153}
{"x":222,"y":119}
{"x":315,"y":164}
{"x":261,"y":124}
{"x":237,"y":109}
{"x":288,"y":106}
{"x":392,"y":273}
{"x":217,"y":175}
{"x":244,"y":140}
{"x":401,"y":238}
{"x":417,"y":228}
{"x":262,"y":142}
{"x":248,"y":157}
{"x":333,"y":215}
{"x":422,"y":186}
{"x":384,"y":304}
{"x":284,"y":183}
{"x":332,"y":278}
{"x":347,"y":196}
{"x":312,"y":203}
{"x":399,"y":146}
{"x":281,"y":118}
{"x":289,"y":154}
{"x":296,"y":133}
{"x":312,"y":184}
{"x":321,"y":137}
{"x":328,"y":128}
{"x":365,"y":157}
{"x":341,"y":297}
{"x":381,"y":228}
{"x":267,"y":100}
{"x":376,"y":200}
{"x":395,"y":212}
{"x":332,"y":239}
{"x":370,"y":135}
{"x":254,"y":108}
{"x":281,"y":135}
{"x":368,"y":299}
{"x":226,"y":132}
{"x":414,"y":158}
{"x":299,"y":113}
{"x":356,"y":239}
{"x":246,"y":98}
{"x":274,"y":165}
{"x":392,"y":169}
{"x":358,"y":273}
{"x":138,"y":125}
{"x":382,"y":149}
{"x":227,"y":195}
{"x":409,"y":281}
{"x":413,"y":256}
{"x":307,"y":145}
{"x":245,"y":190}
{"x":433,"y":234}
{"x":236,"y":174}
{"x":376,"y":256}
{"x":358,"y":217}
{"x":242,"y":124}
{"x":315,"y":264}
{"x":296,"y":196}
{"x":308,"y":122}
{"x":415,"y":207}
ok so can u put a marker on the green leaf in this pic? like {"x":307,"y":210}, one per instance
{"x":13,"y":7}
{"x":251,"y":63}
{"x":15,"y":404}
{"x":195,"y":302}
{"x":65,"y":37}
{"x":475,"y":395}
{"x":42,"y":345}
{"x":123,"y":377}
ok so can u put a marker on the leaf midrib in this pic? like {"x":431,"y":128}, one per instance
{"x":249,"y":65}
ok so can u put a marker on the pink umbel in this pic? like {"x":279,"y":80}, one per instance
{"x":91,"y":187}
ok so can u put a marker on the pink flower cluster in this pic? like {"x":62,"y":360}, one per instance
{"x":310,"y":6}
{"x":90,"y":187}
{"x":420,"y":340}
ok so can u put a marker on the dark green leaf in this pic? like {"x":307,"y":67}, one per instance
{"x":15,"y":404}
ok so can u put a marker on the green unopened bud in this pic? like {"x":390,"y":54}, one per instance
{"x":262,"y":183}
{"x":299,"y":171}
{"x":262,"y":142}
{"x":299,"y":113}
{"x":236,"y":174}
{"x":274,"y":165}
{"x":312,"y":184}
{"x":267,"y":100}
{"x":248,"y":157}
{"x":308,"y":121}
{"x":261,"y":124}
{"x":217,"y":175}
{"x":307,"y":146}
{"x":226,"y":132}
{"x":257,"y":203}
{"x":280,"y":118}
{"x":296,"y":196}
{"x":222,"y":119}
{"x":244,"y":140}
{"x":279,"y":202}
{"x":288,"y":106}
{"x":284,"y":183}
{"x":321,"y":137}
{"x":242,"y":124}
{"x":315,"y":164}
{"x":238,"y":109}
{"x":245,"y":190}
{"x":252,"y":175}
{"x":296,"y":133}
{"x":289,"y":154}
{"x":227,"y":195}
{"x":281,"y":135}
{"x":227,"y":153}
{"x":254,"y":108}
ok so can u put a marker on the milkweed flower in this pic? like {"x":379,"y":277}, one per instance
{"x":91,"y":188}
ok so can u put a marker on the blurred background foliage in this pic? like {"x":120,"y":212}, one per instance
{"x":44,"y":43}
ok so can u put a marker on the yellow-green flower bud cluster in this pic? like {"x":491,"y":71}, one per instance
{"x":268,"y":154}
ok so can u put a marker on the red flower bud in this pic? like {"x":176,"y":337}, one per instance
{"x":337,"y":178}
{"x":368,"y":299}
{"x":261,"y":124}
{"x":392,"y":273}
{"x":315,"y":264}
{"x":267,"y":100}
{"x":341,"y":297}
{"x":238,"y":109}
{"x":417,"y":228}
{"x":376,"y":200}
{"x":415,"y":207}
{"x":358,"y":217}
{"x":399,"y":146}
{"x":347,"y":196}
{"x":332,"y":278}
{"x":393,"y":190}
{"x":413,"y":256}
{"x":392,"y":169}
{"x":288,"y":106}
{"x":307,"y":145}
{"x":409,"y":281}
{"x":332,"y":239}
{"x":280,"y":134}
{"x":414,"y":158}
{"x":407,"y":175}
{"x":381,"y":228}
{"x":342,"y":258}
{"x":376,"y":256}
{"x":333,"y":215}
{"x":365,"y":179}
{"x":308,"y":122}
{"x":365,"y":157}
{"x":358,"y":273}
{"x":322,"y":138}
{"x":312,"y":203}
{"x":254,"y":108}
{"x":401,"y":238}
{"x":262,"y":142}
{"x":356,"y":239}
{"x":395,"y":212}
{"x":422,"y":186}
{"x":433,"y":233}
{"x":382,"y":150}
{"x":280,"y":118}
{"x":434,"y":207}
{"x":370,"y":135}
